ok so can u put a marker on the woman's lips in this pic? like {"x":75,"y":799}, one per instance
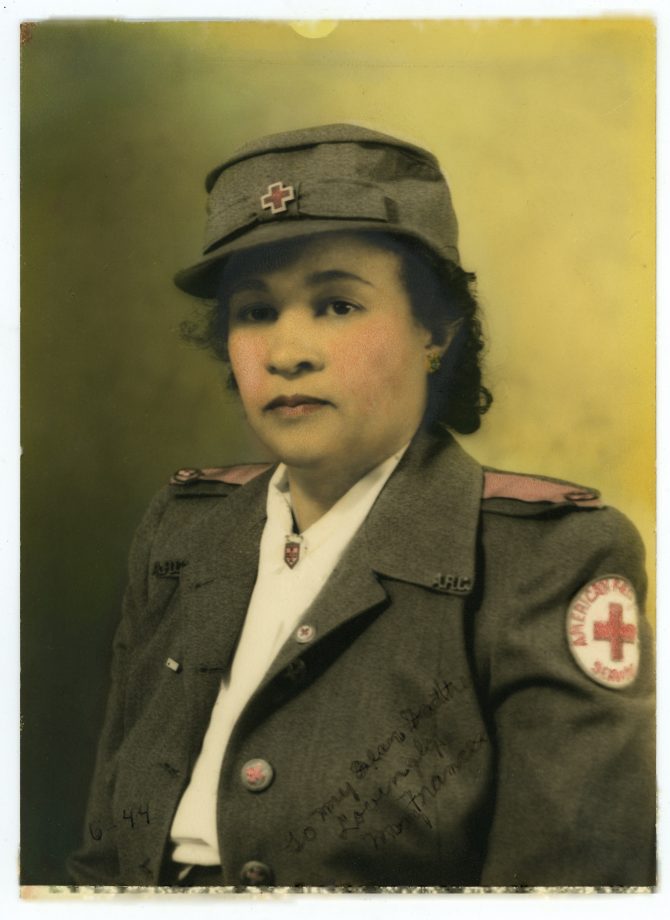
{"x":295,"y":405}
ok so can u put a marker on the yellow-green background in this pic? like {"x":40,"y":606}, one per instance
{"x":545,"y":131}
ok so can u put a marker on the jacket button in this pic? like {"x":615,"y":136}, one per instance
{"x":304,"y":633}
{"x":581,"y":495}
{"x":186,"y":475}
{"x":257,"y":775}
{"x":295,"y":671}
{"x":255,"y":873}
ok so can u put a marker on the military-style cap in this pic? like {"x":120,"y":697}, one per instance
{"x":316,"y":180}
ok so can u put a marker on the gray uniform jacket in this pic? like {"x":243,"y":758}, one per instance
{"x":435,"y":729}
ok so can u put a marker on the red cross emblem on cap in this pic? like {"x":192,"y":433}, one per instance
{"x":276,"y":197}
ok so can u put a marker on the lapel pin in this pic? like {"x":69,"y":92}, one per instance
{"x":305,"y":633}
{"x":453,"y":584}
{"x":169,"y":569}
{"x":173,"y":665}
{"x":183,"y":476}
{"x":292,"y":549}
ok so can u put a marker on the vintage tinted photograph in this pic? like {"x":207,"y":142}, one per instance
{"x":338,"y":455}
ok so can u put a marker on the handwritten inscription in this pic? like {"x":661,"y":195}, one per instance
{"x":374,"y":756}
{"x":417,"y":798}
{"x":443,"y":692}
{"x":332,"y":802}
{"x":402,"y":762}
{"x":130,"y":818}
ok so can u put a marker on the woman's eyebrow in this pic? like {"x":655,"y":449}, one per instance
{"x":335,"y":274}
{"x":245,"y":284}
{"x":315,"y":278}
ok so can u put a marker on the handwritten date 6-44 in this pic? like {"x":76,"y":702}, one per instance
{"x":130,"y":819}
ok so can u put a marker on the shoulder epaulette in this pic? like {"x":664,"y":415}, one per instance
{"x":522,"y":487}
{"x":231,"y":475}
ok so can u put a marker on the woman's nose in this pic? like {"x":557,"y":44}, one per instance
{"x":294,"y":346}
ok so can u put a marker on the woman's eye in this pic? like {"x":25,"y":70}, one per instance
{"x":340,"y":308}
{"x":256,"y":313}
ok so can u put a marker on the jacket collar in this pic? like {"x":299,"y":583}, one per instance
{"x":422,"y":529}
{"x":422,"y":525}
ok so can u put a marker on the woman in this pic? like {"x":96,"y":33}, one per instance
{"x":374,"y":664}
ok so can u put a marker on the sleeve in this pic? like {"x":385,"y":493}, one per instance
{"x":575,"y":798}
{"x":96,"y":861}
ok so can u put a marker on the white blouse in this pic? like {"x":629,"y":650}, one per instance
{"x":280,"y":597}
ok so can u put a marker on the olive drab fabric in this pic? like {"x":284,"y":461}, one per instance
{"x":432,"y":727}
{"x":317,"y":180}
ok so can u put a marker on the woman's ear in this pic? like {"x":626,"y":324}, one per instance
{"x":440,"y":348}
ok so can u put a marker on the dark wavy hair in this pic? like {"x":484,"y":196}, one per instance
{"x":443,"y":301}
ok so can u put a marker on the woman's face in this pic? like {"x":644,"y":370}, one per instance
{"x":329,"y":360}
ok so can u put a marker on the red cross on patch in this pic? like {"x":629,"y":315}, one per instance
{"x":276,"y":197}
{"x":615,"y":631}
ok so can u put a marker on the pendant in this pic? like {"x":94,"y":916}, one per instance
{"x":292,"y":549}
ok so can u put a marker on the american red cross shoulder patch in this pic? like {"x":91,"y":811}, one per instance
{"x":602,"y":631}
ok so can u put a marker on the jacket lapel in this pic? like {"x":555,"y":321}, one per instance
{"x":422,"y":529}
{"x":216,"y":591}
{"x":351,"y":590}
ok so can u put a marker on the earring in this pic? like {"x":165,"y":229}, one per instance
{"x":433,"y":361}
